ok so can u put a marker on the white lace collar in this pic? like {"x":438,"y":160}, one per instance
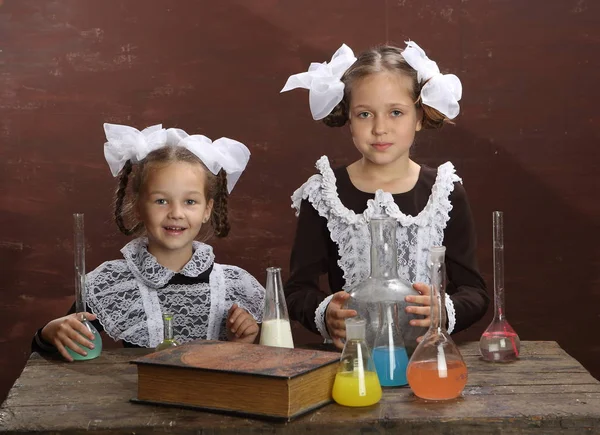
{"x":146,"y":268}
{"x":383,"y":201}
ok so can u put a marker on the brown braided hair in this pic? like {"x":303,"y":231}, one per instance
{"x":379,"y":59}
{"x":133,"y":177}
{"x":218,"y":218}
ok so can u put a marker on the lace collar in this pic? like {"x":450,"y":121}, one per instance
{"x":146,"y":268}
{"x":383,"y":201}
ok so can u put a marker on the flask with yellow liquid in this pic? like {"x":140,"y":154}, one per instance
{"x":356,"y":382}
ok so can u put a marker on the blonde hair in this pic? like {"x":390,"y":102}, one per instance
{"x":376,"y":60}
{"x":126,"y":201}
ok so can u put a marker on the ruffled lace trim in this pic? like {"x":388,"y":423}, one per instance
{"x":130,"y":310}
{"x":451,"y":313}
{"x":320,"y":317}
{"x":146,"y":268}
{"x":350,"y":231}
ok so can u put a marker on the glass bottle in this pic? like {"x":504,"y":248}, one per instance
{"x":436,"y":370}
{"x":356,"y":382}
{"x":389,"y":352}
{"x":80,"y":291}
{"x":275,"y":329}
{"x":168,"y":340}
{"x":384,"y":287}
{"x":499,"y":342}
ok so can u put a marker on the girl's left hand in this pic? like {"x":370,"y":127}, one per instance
{"x":241,"y":326}
{"x":425,"y":300}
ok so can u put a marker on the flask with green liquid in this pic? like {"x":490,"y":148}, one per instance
{"x":79,"y":253}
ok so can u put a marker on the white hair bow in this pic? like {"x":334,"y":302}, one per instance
{"x":224,"y":153}
{"x":323,"y":82}
{"x":441,"y":91}
{"x":127,"y":143}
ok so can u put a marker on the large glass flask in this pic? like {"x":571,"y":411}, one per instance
{"x":275,"y":329}
{"x":384,"y":288}
{"x":168,"y":338}
{"x":356,"y":382}
{"x":499,"y":342}
{"x":80,"y":296}
{"x":436,"y":370}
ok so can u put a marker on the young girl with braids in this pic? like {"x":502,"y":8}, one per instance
{"x":386,"y":96}
{"x":170,"y":186}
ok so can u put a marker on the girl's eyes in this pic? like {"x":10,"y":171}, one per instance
{"x":364,"y":115}
{"x":164,"y":201}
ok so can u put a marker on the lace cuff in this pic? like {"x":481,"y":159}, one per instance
{"x":320,"y":317}
{"x":450,"y":313}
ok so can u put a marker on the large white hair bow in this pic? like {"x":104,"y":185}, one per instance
{"x":127,"y":143}
{"x":441,"y":91}
{"x":224,"y":153}
{"x":323,"y":82}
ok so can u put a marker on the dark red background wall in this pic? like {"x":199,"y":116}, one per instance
{"x":525,"y":143}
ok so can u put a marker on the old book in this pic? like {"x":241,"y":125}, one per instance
{"x":240,"y":378}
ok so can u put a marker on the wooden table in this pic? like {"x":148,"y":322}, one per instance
{"x":545,"y":392}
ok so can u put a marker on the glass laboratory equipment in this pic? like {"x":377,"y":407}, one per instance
{"x":499,"y":342}
{"x":356,"y":382}
{"x":168,"y":338}
{"x":275,"y":329}
{"x":436,"y":370}
{"x":80,"y":291}
{"x":384,"y":287}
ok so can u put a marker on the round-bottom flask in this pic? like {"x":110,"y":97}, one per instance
{"x":97,"y":341}
{"x":436,"y":370}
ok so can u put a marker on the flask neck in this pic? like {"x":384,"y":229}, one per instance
{"x":275,"y":306}
{"x":384,"y":250}
{"x":168,"y":327}
{"x":499,"y":310}
{"x":438,"y":293}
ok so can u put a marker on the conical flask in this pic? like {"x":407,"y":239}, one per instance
{"x":356,"y":382}
{"x":168,"y":338}
{"x":275,"y":329}
{"x":389,"y":353}
{"x":384,"y":287}
{"x":80,"y":296}
{"x":499,"y":342}
{"x":436,"y":370}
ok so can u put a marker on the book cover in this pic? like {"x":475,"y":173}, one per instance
{"x":240,"y":378}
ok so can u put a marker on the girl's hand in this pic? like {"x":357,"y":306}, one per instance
{"x":335,"y":317}
{"x":68,"y":332}
{"x":425,"y":300}
{"x":241,"y":326}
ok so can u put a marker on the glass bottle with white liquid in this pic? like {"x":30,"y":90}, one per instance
{"x":275,"y":329}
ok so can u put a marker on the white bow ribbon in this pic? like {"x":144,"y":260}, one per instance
{"x":127,"y":143}
{"x":441,"y":91}
{"x":323,"y":82}
{"x":224,"y":153}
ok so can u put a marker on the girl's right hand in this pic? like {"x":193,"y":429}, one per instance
{"x":66,"y":332}
{"x":335,"y":317}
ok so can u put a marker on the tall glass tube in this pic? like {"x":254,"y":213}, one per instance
{"x":80,"y":297}
{"x":499,"y":342}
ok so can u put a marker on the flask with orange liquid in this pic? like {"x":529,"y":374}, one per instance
{"x":436,"y":370}
{"x":356,"y":382}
